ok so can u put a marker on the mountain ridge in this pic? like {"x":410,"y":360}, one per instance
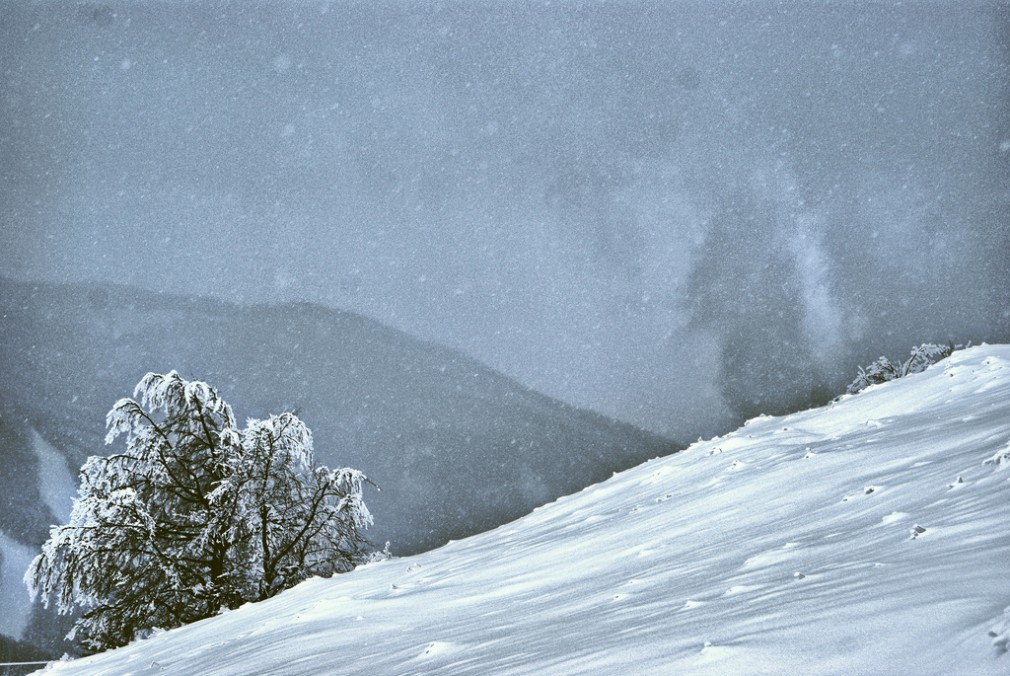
{"x":455,"y":446}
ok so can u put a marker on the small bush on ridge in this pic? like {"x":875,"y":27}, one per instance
{"x":884,"y":370}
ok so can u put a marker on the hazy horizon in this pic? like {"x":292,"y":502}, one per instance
{"x":677,"y":214}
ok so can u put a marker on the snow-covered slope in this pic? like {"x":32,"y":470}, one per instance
{"x":870,"y":536}
{"x":456,"y":447}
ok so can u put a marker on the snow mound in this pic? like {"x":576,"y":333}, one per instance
{"x":830,"y":541}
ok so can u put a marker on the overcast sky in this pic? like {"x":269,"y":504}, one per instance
{"x":676,"y":213}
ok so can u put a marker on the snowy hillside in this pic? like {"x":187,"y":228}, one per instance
{"x":869,"y":536}
{"x":456,"y":447}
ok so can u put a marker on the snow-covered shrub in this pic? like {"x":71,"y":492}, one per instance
{"x":883,"y":369}
{"x":195,"y":516}
{"x":879,"y":371}
{"x":926,"y":354}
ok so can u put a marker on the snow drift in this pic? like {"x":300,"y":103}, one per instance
{"x":869,"y":536}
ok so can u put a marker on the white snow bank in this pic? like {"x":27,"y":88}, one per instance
{"x":57,"y":485}
{"x":15,"y":608}
{"x":864,"y":537}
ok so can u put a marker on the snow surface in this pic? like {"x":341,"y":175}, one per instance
{"x":15,"y":606}
{"x":57,"y":485}
{"x":869,"y":536}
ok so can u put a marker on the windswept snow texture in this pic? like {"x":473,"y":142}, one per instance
{"x":869,"y":536}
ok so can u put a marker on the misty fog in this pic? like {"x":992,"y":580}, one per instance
{"x":675,"y":213}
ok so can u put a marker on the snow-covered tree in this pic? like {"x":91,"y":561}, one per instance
{"x":924,"y":355}
{"x":195,"y":516}
{"x":880,"y":371}
{"x":884,"y":370}
{"x":297,"y":518}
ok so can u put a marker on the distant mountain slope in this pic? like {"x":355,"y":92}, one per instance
{"x":869,"y":536}
{"x":455,"y":447}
